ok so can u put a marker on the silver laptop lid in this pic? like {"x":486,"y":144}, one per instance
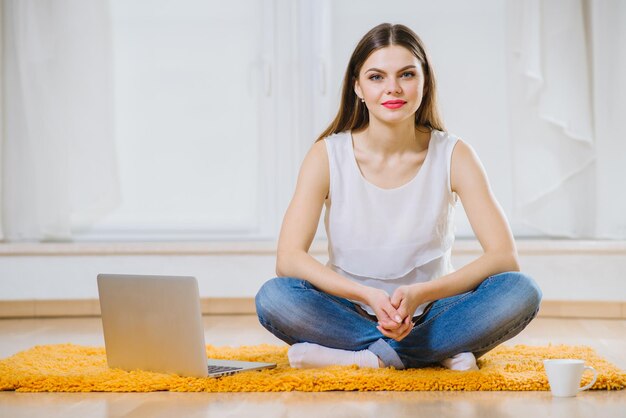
{"x":153,"y":323}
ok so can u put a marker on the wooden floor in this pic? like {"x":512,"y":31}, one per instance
{"x":608,"y":337}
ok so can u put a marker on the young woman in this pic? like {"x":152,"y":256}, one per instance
{"x":390,"y":176}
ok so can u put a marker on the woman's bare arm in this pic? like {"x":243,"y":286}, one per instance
{"x":297,"y":233}
{"x":469,"y":181}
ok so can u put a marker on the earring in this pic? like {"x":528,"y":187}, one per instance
{"x":362,"y":100}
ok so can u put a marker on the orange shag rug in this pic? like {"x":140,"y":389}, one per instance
{"x":72,"y":368}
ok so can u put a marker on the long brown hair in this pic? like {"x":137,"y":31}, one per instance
{"x":353,"y":114}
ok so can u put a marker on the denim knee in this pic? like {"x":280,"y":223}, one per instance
{"x":532,"y":290}
{"x":273,"y":304}
{"x":273,"y":298}
{"x":528,"y":293}
{"x":265,"y":298}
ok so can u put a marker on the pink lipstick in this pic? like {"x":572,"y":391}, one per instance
{"x":394,"y":104}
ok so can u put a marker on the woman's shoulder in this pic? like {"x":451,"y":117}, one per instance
{"x":336,"y":144}
{"x":338,"y":137}
{"x":330,"y":147}
{"x":444,"y":136}
{"x":314,"y":168}
{"x":443,"y":142}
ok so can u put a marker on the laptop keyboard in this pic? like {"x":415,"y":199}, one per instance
{"x":222,"y":369}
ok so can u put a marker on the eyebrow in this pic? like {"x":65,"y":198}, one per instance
{"x":381,"y":71}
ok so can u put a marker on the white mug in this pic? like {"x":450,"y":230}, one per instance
{"x":564,"y":376}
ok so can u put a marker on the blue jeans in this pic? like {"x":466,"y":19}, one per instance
{"x":477,"y":321}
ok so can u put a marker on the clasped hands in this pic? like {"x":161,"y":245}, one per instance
{"x":395,"y":312}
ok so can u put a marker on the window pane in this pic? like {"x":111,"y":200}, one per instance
{"x":186,"y":114}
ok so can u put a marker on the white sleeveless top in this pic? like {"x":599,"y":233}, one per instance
{"x":385,"y":238}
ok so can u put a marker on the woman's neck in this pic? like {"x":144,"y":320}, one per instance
{"x":386,"y":140}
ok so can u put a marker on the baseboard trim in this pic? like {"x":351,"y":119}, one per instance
{"x":583,"y":309}
{"x":245,"y":306}
{"x":91,"y":307}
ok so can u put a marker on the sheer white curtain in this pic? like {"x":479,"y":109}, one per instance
{"x":608,"y":23}
{"x":59,"y":170}
{"x":567,"y":60}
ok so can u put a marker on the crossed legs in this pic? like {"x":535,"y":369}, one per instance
{"x":473,"y":322}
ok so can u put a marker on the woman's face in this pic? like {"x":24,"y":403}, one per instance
{"x":391,"y":81}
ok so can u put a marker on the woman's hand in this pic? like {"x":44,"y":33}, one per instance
{"x":387,"y":314}
{"x":391,"y":323}
{"x":400,"y":332}
{"x":405,"y":300}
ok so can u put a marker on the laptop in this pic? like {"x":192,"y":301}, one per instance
{"x":154,"y":323}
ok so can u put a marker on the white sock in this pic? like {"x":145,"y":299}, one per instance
{"x":307,"y":355}
{"x":461,"y":361}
